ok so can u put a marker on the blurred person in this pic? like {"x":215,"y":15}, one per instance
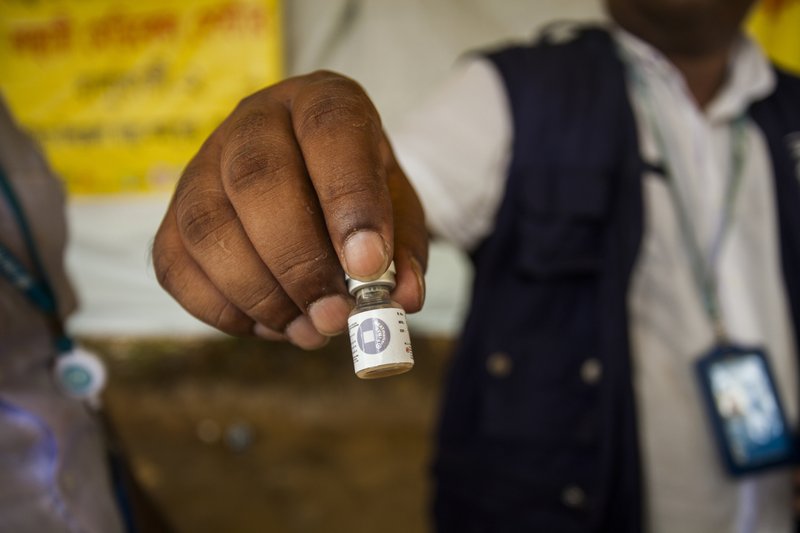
{"x":55,"y":474}
{"x":629,"y":197}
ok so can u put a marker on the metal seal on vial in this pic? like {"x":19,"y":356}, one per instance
{"x":387,"y":279}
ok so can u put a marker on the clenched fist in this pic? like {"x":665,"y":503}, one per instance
{"x":297,"y":187}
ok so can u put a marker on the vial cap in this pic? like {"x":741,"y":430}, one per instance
{"x":387,"y":279}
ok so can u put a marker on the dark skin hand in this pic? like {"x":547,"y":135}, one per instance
{"x":298,"y":186}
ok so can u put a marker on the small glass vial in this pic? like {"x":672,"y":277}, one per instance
{"x":379,"y":335}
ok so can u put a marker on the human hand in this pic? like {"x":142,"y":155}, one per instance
{"x":296,"y":187}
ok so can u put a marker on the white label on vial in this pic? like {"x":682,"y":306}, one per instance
{"x":379,"y":337}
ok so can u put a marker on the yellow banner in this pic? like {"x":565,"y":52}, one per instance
{"x":122,"y":94}
{"x":776,"y":25}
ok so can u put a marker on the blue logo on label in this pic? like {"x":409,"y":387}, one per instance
{"x":373,"y":336}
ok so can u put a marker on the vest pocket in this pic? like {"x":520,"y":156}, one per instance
{"x":554,"y":248}
{"x":559,"y":218}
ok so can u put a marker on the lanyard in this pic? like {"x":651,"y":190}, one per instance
{"x":703,"y":267}
{"x":34,"y":285}
{"x":78,"y":373}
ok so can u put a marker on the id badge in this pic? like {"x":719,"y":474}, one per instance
{"x":744,"y":409}
{"x":80,"y":374}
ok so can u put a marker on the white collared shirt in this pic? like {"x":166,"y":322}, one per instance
{"x":456,"y":149}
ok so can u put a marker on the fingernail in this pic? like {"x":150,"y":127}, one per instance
{"x":417,"y":268}
{"x":266,"y":333}
{"x":301,"y":333}
{"x":329,"y":314}
{"x":365,"y":255}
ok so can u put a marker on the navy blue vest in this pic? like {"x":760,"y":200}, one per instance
{"x":525,"y":443}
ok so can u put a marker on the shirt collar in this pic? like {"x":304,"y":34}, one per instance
{"x":750,"y":75}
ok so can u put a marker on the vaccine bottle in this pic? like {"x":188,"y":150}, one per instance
{"x":379,"y":335}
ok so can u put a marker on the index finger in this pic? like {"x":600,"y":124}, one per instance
{"x":339,"y":133}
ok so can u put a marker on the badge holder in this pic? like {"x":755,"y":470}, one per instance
{"x":744,"y":409}
{"x":81,"y":375}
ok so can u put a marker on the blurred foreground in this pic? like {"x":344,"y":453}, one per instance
{"x":239,"y":435}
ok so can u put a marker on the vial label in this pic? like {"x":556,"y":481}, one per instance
{"x":379,"y":337}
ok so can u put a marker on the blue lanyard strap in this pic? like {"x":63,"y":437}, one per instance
{"x":703,"y":268}
{"x":34,"y":285}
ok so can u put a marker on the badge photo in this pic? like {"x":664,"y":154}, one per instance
{"x":745,"y":409}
